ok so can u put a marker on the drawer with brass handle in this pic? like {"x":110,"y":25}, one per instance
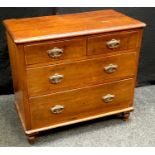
{"x":81,"y":73}
{"x":72,"y":105}
{"x":113,"y":42}
{"x":52,"y":51}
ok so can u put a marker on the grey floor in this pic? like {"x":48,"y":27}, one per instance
{"x":109,"y":131}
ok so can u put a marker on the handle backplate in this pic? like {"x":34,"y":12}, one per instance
{"x":56,"y":78}
{"x":55,"y":52}
{"x":114,"y":43}
{"x":108,"y":98}
{"x":110,"y":68}
{"x":57,"y":109}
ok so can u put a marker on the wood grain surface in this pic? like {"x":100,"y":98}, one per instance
{"x":81,"y":103}
{"x":80,"y":73}
{"x":60,"y":26}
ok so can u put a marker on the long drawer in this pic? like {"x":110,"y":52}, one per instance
{"x":81,"y":103}
{"x":50,"y":79}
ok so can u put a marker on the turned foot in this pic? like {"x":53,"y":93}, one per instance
{"x":124,"y":115}
{"x":31,"y":138}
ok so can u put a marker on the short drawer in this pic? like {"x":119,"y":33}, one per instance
{"x":53,"y":51}
{"x":113,"y":42}
{"x":81,"y":103}
{"x":53,"y":78}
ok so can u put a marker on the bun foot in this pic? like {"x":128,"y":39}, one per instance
{"x":31,"y":138}
{"x":124,"y":115}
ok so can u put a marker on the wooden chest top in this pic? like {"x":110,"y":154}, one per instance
{"x":61,"y":26}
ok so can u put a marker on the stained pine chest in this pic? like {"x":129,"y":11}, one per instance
{"x":73,"y":68}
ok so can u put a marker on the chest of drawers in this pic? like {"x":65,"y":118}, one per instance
{"x":73,"y":68}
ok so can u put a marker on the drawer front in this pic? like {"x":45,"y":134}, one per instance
{"x":54,"y":51}
{"x":81,"y":103}
{"x":50,"y":79}
{"x":113,"y":42}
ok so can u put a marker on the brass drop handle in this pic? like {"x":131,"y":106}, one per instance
{"x":114,"y":43}
{"x":110,"y":68}
{"x":56,"y":78}
{"x":55,"y":52}
{"x":108,"y":98}
{"x":57,"y":109}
